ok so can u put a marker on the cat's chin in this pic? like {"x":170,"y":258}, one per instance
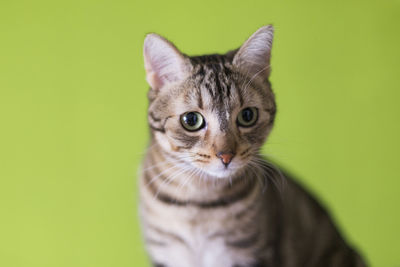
{"x":223,"y":173}
{"x":216,"y":170}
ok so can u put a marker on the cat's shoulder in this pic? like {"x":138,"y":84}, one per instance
{"x":297,"y":197}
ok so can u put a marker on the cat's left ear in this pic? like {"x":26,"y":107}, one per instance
{"x":163,"y":62}
{"x":253,"y":57}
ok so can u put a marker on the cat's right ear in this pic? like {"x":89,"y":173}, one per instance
{"x":163,"y":62}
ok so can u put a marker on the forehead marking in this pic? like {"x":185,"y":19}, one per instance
{"x":222,"y":114}
{"x":199,"y":98}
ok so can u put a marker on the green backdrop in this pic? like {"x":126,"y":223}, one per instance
{"x":73,"y":117}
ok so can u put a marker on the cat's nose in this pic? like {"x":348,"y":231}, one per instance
{"x":225,"y":157}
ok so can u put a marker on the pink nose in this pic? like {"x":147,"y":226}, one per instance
{"x":226,"y":158}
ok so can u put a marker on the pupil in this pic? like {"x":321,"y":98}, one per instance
{"x":247,"y":115}
{"x":191,"y":119}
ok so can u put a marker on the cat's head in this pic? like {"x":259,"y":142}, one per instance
{"x":212,"y":112}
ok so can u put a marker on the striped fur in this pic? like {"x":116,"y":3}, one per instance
{"x":198,"y":212}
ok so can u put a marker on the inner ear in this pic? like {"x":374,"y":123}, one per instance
{"x":253,"y":57}
{"x":163,"y":62}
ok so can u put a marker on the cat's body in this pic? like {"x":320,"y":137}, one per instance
{"x":207,"y":198}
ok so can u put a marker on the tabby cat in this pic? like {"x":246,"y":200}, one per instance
{"x":208,"y":199}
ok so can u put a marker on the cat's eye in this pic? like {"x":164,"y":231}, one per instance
{"x":192,"y":121}
{"x":247,"y":117}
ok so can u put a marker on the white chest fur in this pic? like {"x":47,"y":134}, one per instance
{"x":194,"y":236}
{"x":199,"y":241}
{"x":201,"y":246}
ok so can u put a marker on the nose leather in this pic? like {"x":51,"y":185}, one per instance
{"x":226,"y":158}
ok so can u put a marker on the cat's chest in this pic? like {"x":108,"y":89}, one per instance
{"x":202,"y":247}
{"x":200,"y":241}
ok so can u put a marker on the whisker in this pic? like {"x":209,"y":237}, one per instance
{"x":153,"y":179}
{"x":169,"y":178}
{"x":272,"y":172}
{"x":255,"y":75}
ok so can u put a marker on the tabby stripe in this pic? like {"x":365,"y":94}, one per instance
{"x":228,"y":91}
{"x":222,"y":202}
{"x":239,"y":92}
{"x":209,"y":88}
{"x":245,"y":242}
{"x":244,"y":211}
{"x":158,"y":128}
{"x":189,"y":141}
{"x":155,"y":242}
{"x":218,"y":86}
{"x":254,"y":136}
{"x":256,"y":264}
{"x":154,"y":128}
{"x":151,"y":114}
{"x":199,"y":99}
{"x":167,"y":234}
{"x":271,"y":111}
{"x":244,"y":152}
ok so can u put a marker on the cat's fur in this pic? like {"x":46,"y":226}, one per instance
{"x":195,"y":211}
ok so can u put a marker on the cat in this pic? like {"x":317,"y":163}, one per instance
{"x":207,"y":197}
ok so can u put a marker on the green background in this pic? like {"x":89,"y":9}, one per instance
{"x":73,"y":117}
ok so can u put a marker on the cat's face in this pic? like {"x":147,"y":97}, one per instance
{"x":212,"y":112}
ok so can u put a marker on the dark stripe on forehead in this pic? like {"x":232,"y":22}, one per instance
{"x":209,"y":88}
{"x":213,"y":58}
{"x":200,"y":71}
{"x":228,"y":80}
{"x":198,"y":74}
{"x":240,"y":96}
{"x":216,"y":75}
{"x":219,"y":87}
{"x":199,"y":98}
